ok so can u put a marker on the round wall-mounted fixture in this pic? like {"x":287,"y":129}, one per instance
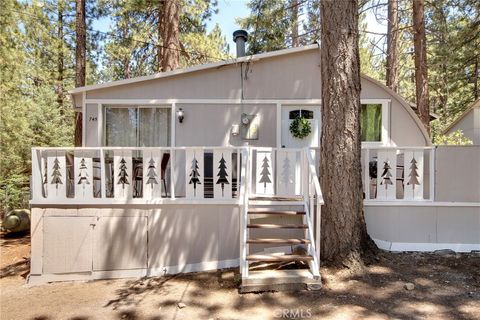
{"x":245,"y":120}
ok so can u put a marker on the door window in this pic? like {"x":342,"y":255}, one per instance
{"x":307,"y":114}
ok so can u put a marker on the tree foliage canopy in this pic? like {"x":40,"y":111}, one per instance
{"x":37,"y":56}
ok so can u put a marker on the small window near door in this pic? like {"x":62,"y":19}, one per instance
{"x":371,"y":122}
{"x":307,"y":114}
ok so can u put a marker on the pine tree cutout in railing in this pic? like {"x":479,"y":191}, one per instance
{"x":265,"y":174}
{"x":222,"y":174}
{"x":194,"y":174}
{"x":386,"y":175}
{"x":286,"y":171}
{"x":56,"y":180}
{"x":413,"y":174}
{"x":83,"y":175}
{"x":123,"y":175}
{"x":151,"y":174}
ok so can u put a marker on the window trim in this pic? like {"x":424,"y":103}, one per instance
{"x":102,"y":109}
{"x":385,"y":140}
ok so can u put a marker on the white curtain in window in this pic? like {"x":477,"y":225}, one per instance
{"x":137,"y":126}
{"x":154,"y":130}
{"x":121,"y":127}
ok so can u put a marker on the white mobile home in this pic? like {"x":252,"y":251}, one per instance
{"x":198,"y":169}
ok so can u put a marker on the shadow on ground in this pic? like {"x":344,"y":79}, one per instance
{"x":12,"y":264}
{"x":445,"y":286}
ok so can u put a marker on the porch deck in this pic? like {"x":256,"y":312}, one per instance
{"x":276,"y":192}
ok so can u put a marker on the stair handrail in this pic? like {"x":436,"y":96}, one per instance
{"x":245,"y":195}
{"x":313,"y":200}
{"x":314,"y":177}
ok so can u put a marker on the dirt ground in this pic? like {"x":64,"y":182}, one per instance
{"x":446,"y":286}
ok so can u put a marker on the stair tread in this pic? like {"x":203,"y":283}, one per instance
{"x":271,"y":257}
{"x":276,"y":226}
{"x":276,"y":240}
{"x":269,"y":211}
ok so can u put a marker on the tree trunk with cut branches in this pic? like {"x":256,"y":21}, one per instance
{"x":80,"y":62}
{"x":60,"y":58}
{"x":344,"y":234}
{"x":170,"y":29}
{"x":421,"y":77}
{"x":392,"y":45}
{"x":295,"y":37}
{"x":160,"y":31}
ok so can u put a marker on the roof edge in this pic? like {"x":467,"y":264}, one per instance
{"x":196,"y":68}
{"x":475,"y":104}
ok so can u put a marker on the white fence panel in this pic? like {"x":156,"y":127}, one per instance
{"x":288,"y":176}
{"x":56,"y":179}
{"x":194,"y":170}
{"x":386,"y":174}
{"x":222,"y":174}
{"x":414,"y":178}
{"x":265,"y":172}
{"x":83,"y":175}
{"x":122,"y":174}
{"x":152,"y":183}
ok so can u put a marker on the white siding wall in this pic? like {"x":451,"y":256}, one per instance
{"x":293,"y":76}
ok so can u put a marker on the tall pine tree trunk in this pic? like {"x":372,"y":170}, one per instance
{"x":344,"y":234}
{"x":443,"y":95}
{"x":171,"y":35}
{"x":80,"y":61}
{"x":475,"y":79}
{"x":295,"y":38}
{"x":392,"y":45}
{"x":60,"y":58}
{"x":126,"y":59}
{"x":160,"y":31}
{"x":420,"y":48}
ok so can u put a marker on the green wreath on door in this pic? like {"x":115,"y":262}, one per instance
{"x":300,"y":127}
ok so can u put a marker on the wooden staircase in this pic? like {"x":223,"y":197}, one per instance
{"x":272,"y":222}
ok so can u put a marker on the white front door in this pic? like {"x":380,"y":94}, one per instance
{"x":289,"y":113}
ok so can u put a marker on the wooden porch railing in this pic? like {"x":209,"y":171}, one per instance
{"x":111,"y":175}
{"x":398,"y":173}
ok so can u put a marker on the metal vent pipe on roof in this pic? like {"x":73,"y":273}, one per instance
{"x":240,"y":37}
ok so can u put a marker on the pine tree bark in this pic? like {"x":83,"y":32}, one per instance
{"x":80,"y":62}
{"x":421,"y":76}
{"x":294,"y":17}
{"x":344,"y":234}
{"x":171,"y":35}
{"x":60,"y":58}
{"x":126,"y":59}
{"x":160,"y":31}
{"x":475,"y":79}
{"x":392,"y":45}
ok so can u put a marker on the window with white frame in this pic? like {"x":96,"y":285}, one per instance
{"x":375,"y":121}
{"x":137,"y":126}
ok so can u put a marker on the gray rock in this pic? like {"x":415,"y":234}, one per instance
{"x":444,"y":252}
{"x":181,"y":305}
{"x":409,"y":286}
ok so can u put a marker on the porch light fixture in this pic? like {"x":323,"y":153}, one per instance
{"x":180,"y":115}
